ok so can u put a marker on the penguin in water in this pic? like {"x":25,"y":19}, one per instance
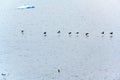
{"x":87,"y":34}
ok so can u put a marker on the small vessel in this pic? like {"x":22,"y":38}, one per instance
{"x":26,"y":7}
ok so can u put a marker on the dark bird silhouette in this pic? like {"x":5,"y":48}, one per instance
{"x":103,"y":32}
{"x":45,"y":33}
{"x":58,"y":32}
{"x":58,"y":70}
{"x":22,"y":31}
{"x":87,"y":34}
{"x":70,"y":33}
{"x":77,"y":32}
{"x":111,"y":33}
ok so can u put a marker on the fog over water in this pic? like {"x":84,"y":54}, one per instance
{"x":31,"y":48}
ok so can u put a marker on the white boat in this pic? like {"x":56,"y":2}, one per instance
{"x":26,"y":7}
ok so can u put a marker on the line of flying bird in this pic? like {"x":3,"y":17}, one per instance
{"x":69,"y":33}
{"x":87,"y":34}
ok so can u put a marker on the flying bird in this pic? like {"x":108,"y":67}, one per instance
{"x":77,"y":32}
{"x":58,"y":32}
{"x":102,"y":32}
{"x":70,"y":33}
{"x":87,"y":34}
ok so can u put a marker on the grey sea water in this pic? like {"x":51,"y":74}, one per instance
{"x":26,"y":54}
